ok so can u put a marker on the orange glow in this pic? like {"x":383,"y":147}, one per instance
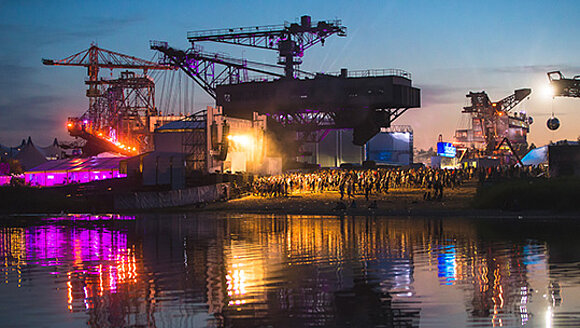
{"x":69,"y":292}
{"x":117,"y":144}
{"x":101,"y":280}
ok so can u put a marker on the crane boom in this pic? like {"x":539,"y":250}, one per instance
{"x":564,"y":87}
{"x":511,"y":101}
{"x":290,"y":40}
{"x":201,"y":66}
{"x":102,"y":58}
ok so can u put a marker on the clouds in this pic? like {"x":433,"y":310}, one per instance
{"x":26,"y":110}
{"x":451,"y":49}
{"x":40,"y":116}
{"x":16,"y":79}
{"x":533,"y":69}
{"x":433,"y":95}
{"x":34,"y":100}
{"x":92,"y":28}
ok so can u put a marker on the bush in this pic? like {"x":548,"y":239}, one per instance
{"x":535,"y":194}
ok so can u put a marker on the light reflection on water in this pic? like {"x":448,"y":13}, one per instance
{"x":203,"y":270}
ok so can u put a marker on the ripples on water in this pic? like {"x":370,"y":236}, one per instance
{"x":202,"y":270}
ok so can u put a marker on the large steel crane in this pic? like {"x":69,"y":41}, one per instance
{"x":363,"y":101}
{"x":493,"y":124}
{"x":120,"y":109}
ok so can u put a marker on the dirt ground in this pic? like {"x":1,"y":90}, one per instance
{"x":400,"y":202}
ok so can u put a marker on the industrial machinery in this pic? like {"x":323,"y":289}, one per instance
{"x":494,"y":130}
{"x":305,"y":103}
{"x":121,"y":111}
{"x":562,"y":87}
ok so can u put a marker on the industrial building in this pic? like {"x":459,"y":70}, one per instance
{"x":391,"y":146}
{"x":205,"y":143}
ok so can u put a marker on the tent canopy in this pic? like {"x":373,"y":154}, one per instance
{"x":536,"y":156}
{"x":79,"y":164}
{"x":30,"y":156}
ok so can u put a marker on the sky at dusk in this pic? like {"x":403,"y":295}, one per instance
{"x":449,"y":47}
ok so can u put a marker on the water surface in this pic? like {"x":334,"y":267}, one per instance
{"x":205,"y":270}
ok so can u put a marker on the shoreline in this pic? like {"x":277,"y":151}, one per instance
{"x":402,"y":202}
{"x":399,"y":202}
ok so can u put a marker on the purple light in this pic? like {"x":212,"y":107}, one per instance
{"x":95,"y":260}
{"x":5,"y":180}
{"x":57,"y":245}
{"x":87,"y":217}
{"x":64,"y":178}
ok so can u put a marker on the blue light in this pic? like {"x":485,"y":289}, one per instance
{"x":446,"y":149}
{"x":447,"y":265}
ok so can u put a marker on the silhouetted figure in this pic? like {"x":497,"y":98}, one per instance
{"x":224,"y":193}
{"x":349,"y":190}
{"x":353,"y":204}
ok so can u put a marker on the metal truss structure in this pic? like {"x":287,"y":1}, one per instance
{"x":209,"y":70}
{"x":119,"y":109}
{"x":398,"y":129}
{"x":492,"y":122}
{"x":128,"y":104}
{"x":290,"y":40}
{"x":309,"y":126}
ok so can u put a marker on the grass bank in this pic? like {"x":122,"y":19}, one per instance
{"x":557,"y":194}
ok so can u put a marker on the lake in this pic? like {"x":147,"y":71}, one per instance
{"x":228,"y":270}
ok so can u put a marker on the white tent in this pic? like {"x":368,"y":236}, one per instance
{"x":536,"y":156}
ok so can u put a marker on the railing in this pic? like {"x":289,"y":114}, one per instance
{"x":249,"y":29}
{"x":234,"y":31}
{"x":398,"y":129}
{"x":158,"y":44}
{"x":253,"y":78}
{"x":354,"y":74}
{"x":376,"y":73}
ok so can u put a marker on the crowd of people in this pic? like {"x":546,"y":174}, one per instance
{"x":365,"y":182}
{"x":499,"y":173}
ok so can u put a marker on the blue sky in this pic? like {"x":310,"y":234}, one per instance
{"x":450,"y":47}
